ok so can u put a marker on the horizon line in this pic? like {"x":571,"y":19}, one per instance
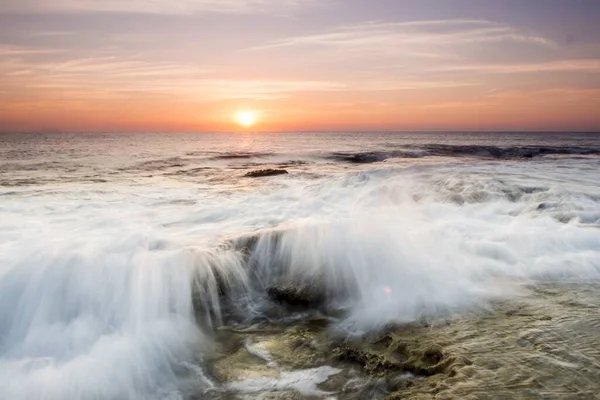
{"x":41,"y":131}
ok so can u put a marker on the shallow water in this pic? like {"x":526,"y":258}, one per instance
{"x":123,"y":257}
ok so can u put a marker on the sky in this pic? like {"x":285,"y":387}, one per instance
{"x":298,"y":65}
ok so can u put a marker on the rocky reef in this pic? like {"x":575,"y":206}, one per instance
{"x":296,"y":297}
{"x":261,"y":173}
{"x":281,"y":335}
{"x":521,"y":350}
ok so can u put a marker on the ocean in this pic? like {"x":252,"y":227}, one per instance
{"x":448,"y":265}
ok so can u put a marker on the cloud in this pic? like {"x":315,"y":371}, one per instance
{"x":495,"y":98}
{"x":82,"y":71}
{"x":52,"y":33}
{"x":434,"y":53}
{"x":153,"y":6}
{"x":416,"y":54}
{"x":412,"y":84}
{"x":262,"y":89}
{"x":458,"y":105}
{"x":562,"y":93}
{"x":591,"y":65}
{"x":9,"y":50}
{"x":118,"y":77}
{"x":414,"y":36}
{"x":23,"y":70}
{"x":445,"y":59}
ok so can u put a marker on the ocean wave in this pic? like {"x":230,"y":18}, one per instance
{"x":475,"y":151}
{"x":240,"y":155}
{"x":508,"y":152}
{"x":118,"y":306}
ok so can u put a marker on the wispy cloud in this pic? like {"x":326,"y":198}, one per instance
{"x":434,"y":54}
{"x":263,"y":89}
{"x":111,"y":76}
{"x":154,"y":6}
{"x":563,"y":93}
{"x":429,"y":54}
{"x":416,"y":35}
{"x":390,"y":85}
{"x":51,"y":33}
{"x":106,"y":74}
{"x":119,"y":76}
{"x":11,"y":51}
{"x":458,"y":105}
{"x":592,"y":65}
{"x":495,"y":98}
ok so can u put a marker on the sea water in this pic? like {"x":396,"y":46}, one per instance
{"x":121,"y":254}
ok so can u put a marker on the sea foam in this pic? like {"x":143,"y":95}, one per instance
{"x":108,"y":292}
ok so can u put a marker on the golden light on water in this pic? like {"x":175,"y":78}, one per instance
{"x":245,"y":118}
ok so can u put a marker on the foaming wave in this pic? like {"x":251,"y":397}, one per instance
{"x":111,"y":322}
{"x":435,"y":261}
{"x":406,"y":249}
{"x":116,"y":296}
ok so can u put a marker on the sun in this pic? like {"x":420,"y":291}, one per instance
{"x":245,"y":118}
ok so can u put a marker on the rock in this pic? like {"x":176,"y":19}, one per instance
{"x":260,"y":173}
{"x":543,"y":206}
{"x":393,"y":354}
{"x":298,"y":297}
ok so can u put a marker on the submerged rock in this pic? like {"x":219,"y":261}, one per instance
{"x":291,"y":362}
{"x":523,"y":350}
{"x":392,"y":353}
{"x":259,"y":173}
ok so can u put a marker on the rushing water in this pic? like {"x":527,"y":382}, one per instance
{"x":121,"y":255}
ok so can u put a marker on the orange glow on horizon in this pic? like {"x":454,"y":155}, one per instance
{"x":336,"y":111}
{"x":341,"y":72}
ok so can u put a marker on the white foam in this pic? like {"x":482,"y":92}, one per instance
{"x":200,"y":374}
{"x":96,"y":284}
{"x":303,"y":381}
{"x":394,"y":258}
{"x":257,"y":351}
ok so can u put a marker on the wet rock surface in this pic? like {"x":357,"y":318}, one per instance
{"x":260,"y":173}
{"x":545,"y":347}
{"x":299,"y":297}
{"x":394,"y":352}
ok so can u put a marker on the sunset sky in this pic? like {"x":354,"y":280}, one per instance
{"x":193,"y":65}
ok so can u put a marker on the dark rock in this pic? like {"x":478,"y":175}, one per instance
{"x":546,"y":206}
{"x":298,"y":297}
{"x":260,"y":173}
